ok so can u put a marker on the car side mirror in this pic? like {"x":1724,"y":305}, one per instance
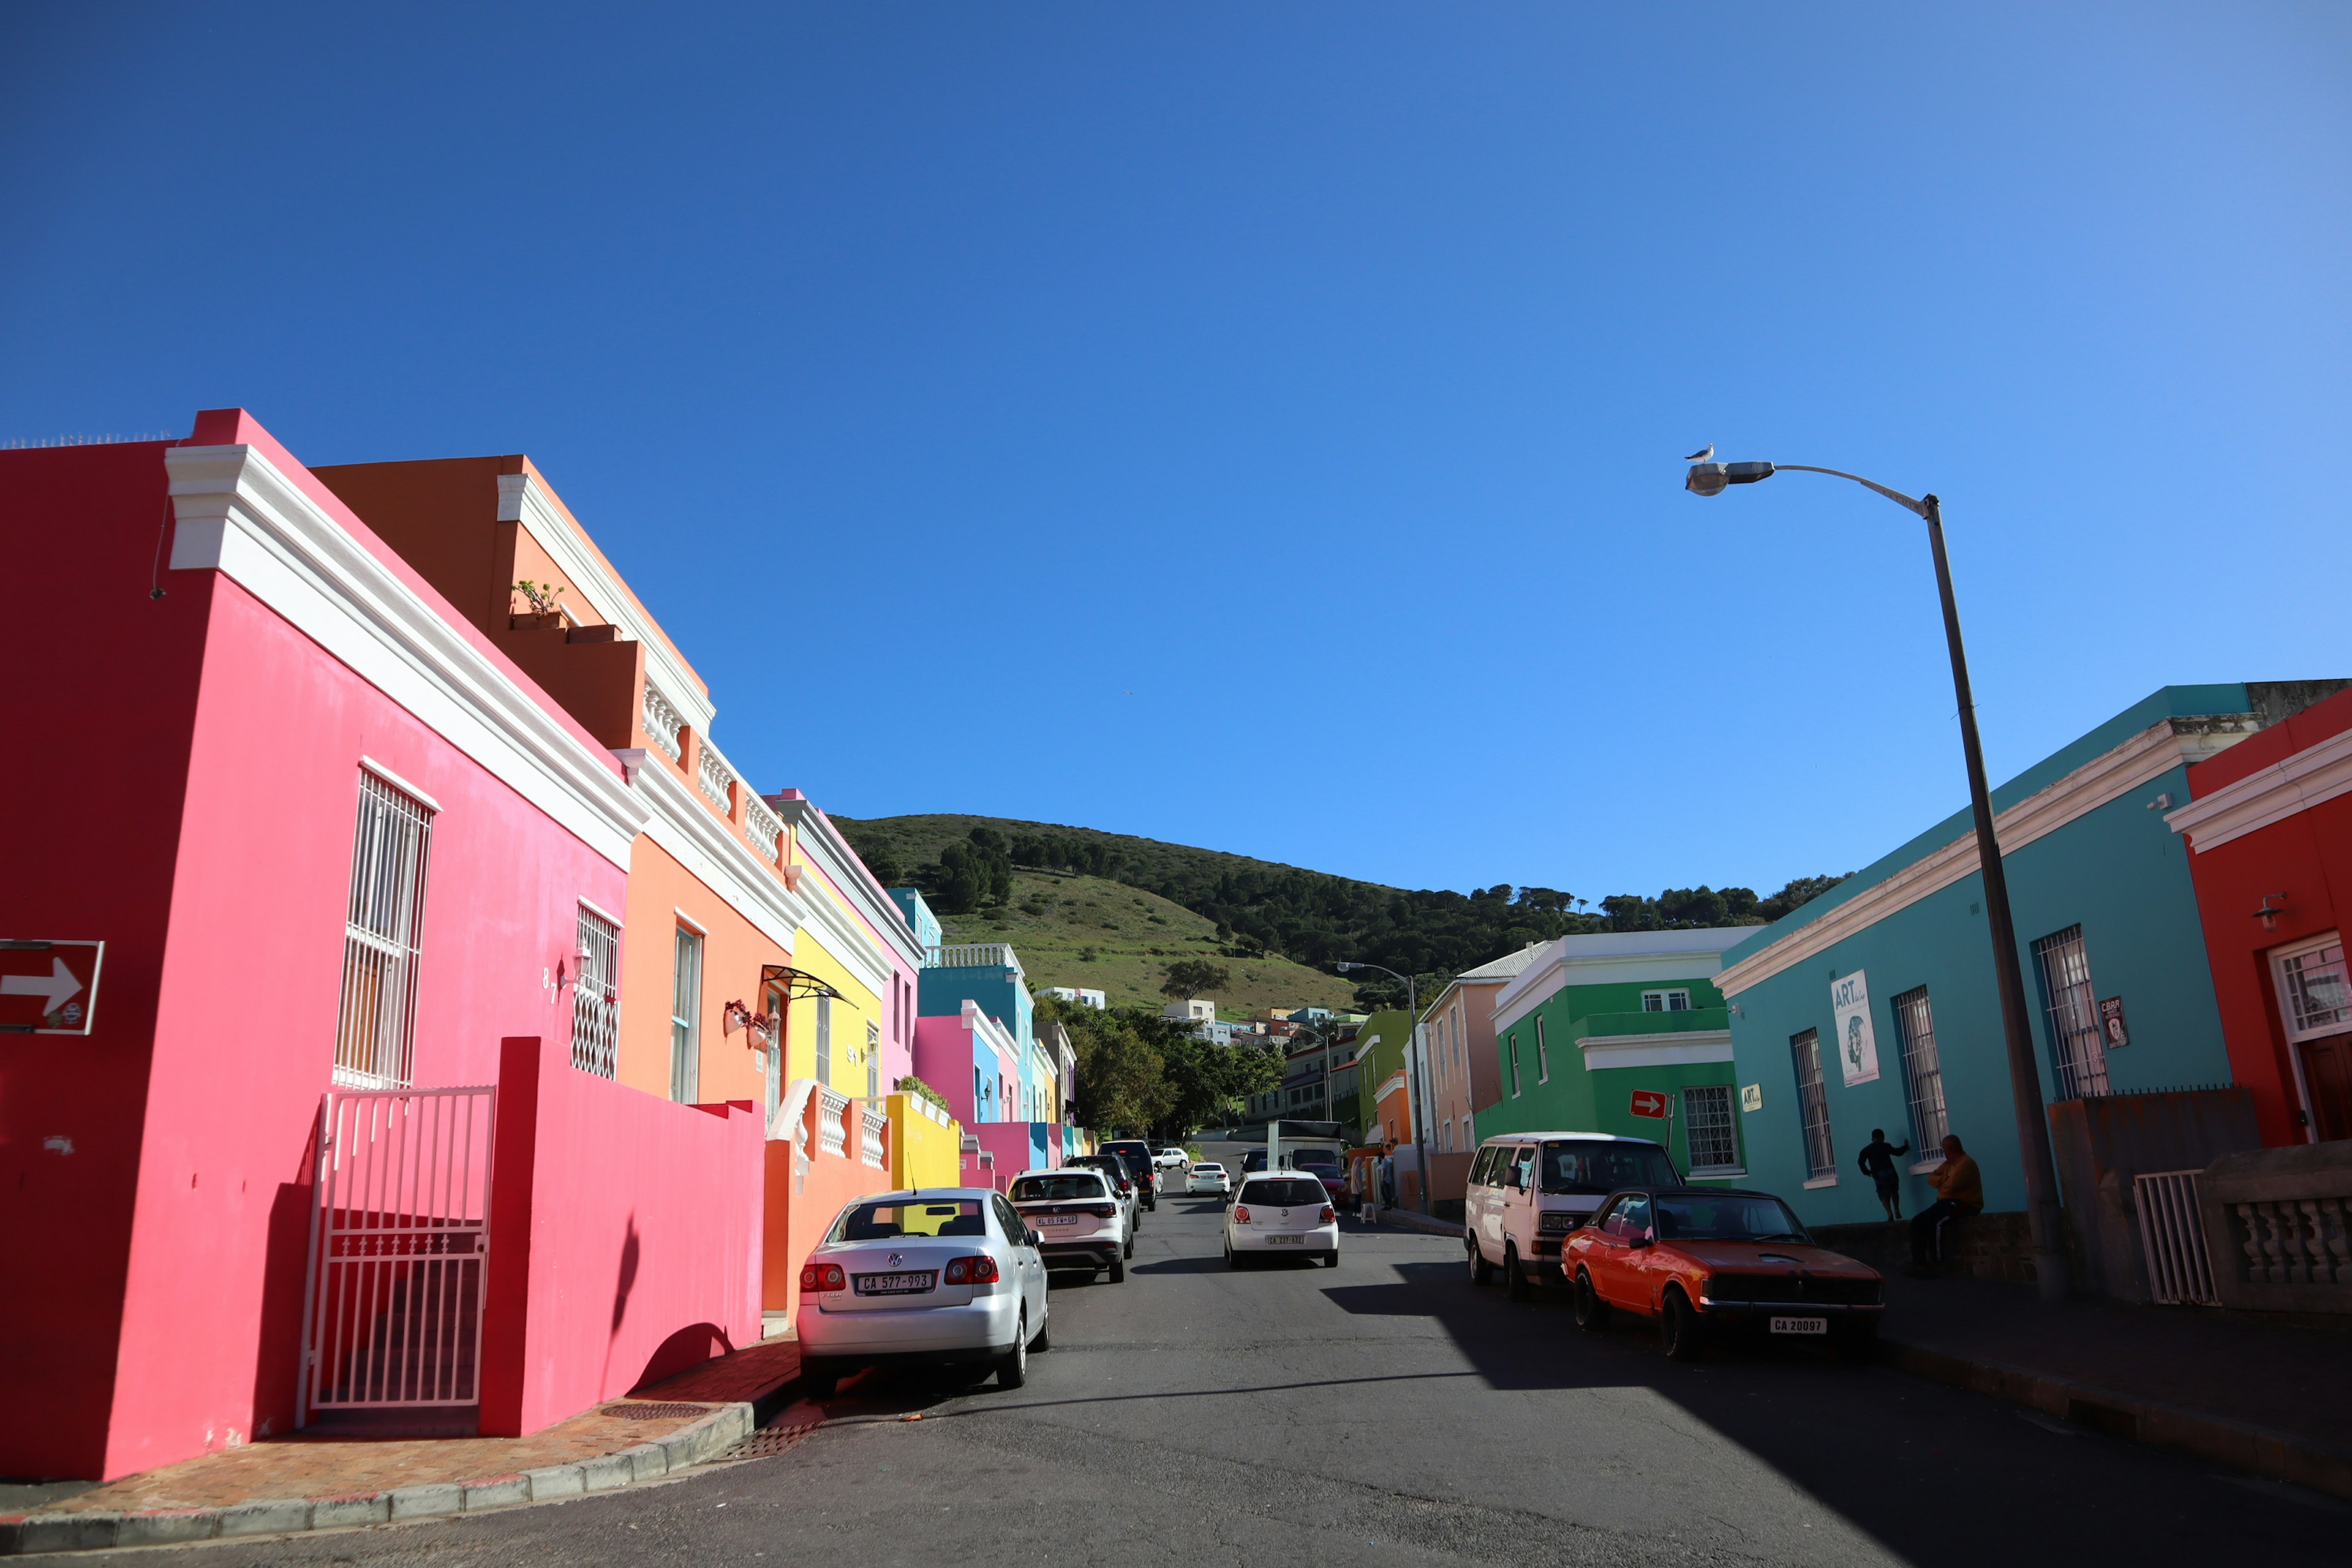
{"x":1638,"y":1242}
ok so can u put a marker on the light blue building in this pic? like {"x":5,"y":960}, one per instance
{"x":920,"y":918}
{"x":1875,"y":1005}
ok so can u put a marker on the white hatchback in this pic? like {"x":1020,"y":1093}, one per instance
{"x":944,"y":1275}
{"x":1079,"y":1221}
{"x":1285,"y":1213}
{"x":1208,"y":1178}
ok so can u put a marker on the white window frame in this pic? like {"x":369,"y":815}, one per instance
{"x":2282,"y":991}
{"x":1691,"y":1094}
{"x":825,"y":1041}
{"x":686,"y":1015}
{"x":596,"y":992}
{"x":1513,"y":1040}
{"x":383,"y":928}
{"x":1674,"y":999}
{"x":872,"y":1060}
{"x":2069,"y":1014}
{"x":1543,"y":1053}
{"x":1923,"y":1076}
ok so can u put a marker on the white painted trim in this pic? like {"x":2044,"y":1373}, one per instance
{"x":1557,"y":971}
{"x":711,"y":850}
{"x":2114,"y":774}
{"x":845,"y":941}
{"x":690,"y":923}
{"x":523,"y":500}
{"x":238,"y":515}
{"x":601,"y":913}
{"x":369,"y":764}
{"x":2295,"y":783}
{"x":1819,"y":1182}
{"x":822,"y":843}
{"x":1689,"y":1049}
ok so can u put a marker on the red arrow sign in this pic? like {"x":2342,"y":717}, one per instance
{"x":1649,"y":1102}
{"x":49,"y":987}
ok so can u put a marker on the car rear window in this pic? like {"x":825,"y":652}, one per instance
{"x":1597,"y":1168}
{"x":1284,"y":1192}
{"x":882,"y":1222}
{"x":1208,"y":1170}
{"x":1070,"y":1188}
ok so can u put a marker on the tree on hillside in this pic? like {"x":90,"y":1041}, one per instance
{"x":969,"y":874}
{"x":1194,"y":977}
{"x":1209,"y":1084}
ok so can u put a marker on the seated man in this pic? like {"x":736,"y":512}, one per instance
{"x":1959,"y":1189}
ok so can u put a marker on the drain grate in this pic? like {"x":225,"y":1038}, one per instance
{"x":770,"y":1441}
{"x":656,"y":1410}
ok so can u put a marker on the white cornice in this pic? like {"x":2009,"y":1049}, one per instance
{"x":711,"y":850}
{"x":1689,"y":1047}
{"x":238,"y":515}
{"x":523,"y":500}
{"x":823,"y":844}
{"x":2295,"y":783}
{"x":996,"y":1037}
{"x":2114,"y":774}
{"x":845,"y":940}
{"x":1539,"y":983}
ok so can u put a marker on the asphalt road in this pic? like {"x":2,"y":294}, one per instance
{"x":1389,"y":1413}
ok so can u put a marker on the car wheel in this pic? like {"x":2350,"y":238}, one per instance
{"x":1481,"y":1271}
{"x":1126,"y":1247}
{"x":1331,"y":1258}
{"x":1118,"y":1269}
{"x":1515,"y":1279}
{"x":1012,"y":1366}
{"x":1679,"y":1328}
{"x":818,"y":1379}
{"x":1591,"y":1312}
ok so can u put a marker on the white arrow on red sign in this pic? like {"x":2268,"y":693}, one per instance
{"x":57,"y":985}
{"x":1649,"y":1102}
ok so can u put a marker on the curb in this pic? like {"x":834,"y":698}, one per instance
{"x":2259,"y":1450}
{"x":691,"y":1445}
{"x":1419,"y":1222}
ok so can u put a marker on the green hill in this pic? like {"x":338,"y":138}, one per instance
{"x":980,"y":872}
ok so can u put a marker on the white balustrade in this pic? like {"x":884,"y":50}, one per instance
{"x":662,"y":721}
{"x":832,"y":1129}
{"x":972,"y":955}
{"x":762,"y":829}
{"x":714,"y":776}
{"x":869,"y":1143}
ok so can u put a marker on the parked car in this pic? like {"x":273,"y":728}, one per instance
{"x":1702,"y":1260}
{"x":1324,"y":1167}
{"x":1079,"y":1221}
{"x":1171,"y":1158}
{"x":1282,"y":1214}
{"x":1120,"y":1177}
{"x":1529,"y":1192}
{"x":1137,"y":1155}
{"x":1208,"y":1178}
{"x":942,"y":1276}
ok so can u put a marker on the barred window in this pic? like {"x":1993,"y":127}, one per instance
{"x":596,"y":997}
{"x":1814,"y":1106}
{"x":2077,"y":1047}
{"x":1923,"y":1073}
{"x":1707,"y":1125}
{"x":375,"y":1031}
{"x":2314,"y":999}
{"x":685,"y":1019}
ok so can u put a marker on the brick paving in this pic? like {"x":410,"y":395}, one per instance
{"x":314,"y":1464}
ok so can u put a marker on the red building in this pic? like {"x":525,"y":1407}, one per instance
{"x":2270,"y":823}
{"x":309,"y":1136}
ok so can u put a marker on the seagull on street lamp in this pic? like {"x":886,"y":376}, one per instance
{"x":1704,"y":454}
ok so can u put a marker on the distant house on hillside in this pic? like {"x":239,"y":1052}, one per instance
{"x":1080,"y":995}
{"x":1197,"y":1010}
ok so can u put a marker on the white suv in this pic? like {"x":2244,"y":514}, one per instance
{"x":1286,"y":1213}
{"x":1079,"y":1221}
{"x":1528,"y":1191}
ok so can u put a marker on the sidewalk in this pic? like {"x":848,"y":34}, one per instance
{"x":2272,"y":1400}
{"x":310,"y":1480}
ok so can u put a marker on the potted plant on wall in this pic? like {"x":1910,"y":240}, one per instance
{"x":544,"y":613}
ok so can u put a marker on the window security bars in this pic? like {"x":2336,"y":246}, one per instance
{"x":1707,"y":1124}
{"x":685,"y":1015}
{"x":400,"y":1237}
{"x":1923,"y":1074}
{"x":1814,"y":1106}
{"x":376,"y":1033}
{"x":825,"y":1041}
{"x":2078,"y":1050}
{"x":596,"y":996}
{"x":2314,"y":995}
{"x":2173,"y":1239}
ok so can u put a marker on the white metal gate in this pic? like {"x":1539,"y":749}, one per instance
{"x":2172,"y":1237}
{"x":400,"y":1239}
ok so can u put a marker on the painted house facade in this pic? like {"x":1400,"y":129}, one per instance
{"x":1458,"y":1030}
{"x":1624,"y":1033}
{"x":1874,"y":1005}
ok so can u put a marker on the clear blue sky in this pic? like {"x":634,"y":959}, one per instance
{"x":1257,"y":426}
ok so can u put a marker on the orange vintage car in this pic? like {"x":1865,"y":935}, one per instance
{"x":1709,"y":1260}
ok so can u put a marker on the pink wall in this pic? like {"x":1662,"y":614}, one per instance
{"x":943,"y":1059}
{"x":624,"y":1237}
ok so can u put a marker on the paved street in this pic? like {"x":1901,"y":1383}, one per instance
{"x":1389,"y":1413}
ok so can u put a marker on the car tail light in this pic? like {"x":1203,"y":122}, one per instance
{"x":1328,"y":1216}
{"x":980,"y":1270}
{"x":1241,"y":1215}
{"x":1102,"y":1211}
{"x":823,"y":1277}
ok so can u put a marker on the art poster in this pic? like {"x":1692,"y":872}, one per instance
{"x":1857,"y":1045}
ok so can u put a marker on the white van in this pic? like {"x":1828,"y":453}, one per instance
{"x":1529,"y":1190}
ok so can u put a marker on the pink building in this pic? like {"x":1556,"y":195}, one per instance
{"x":340,"y":852}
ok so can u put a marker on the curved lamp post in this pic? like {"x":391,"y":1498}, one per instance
{"x":1413,"y":1084}
{"x":2051,"y":1269}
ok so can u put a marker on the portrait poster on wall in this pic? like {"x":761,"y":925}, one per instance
{"x":1857,"y":1047}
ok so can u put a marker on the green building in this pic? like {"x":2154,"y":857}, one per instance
{"x":1382,"y":1044}
{"x":1623,"y":1033}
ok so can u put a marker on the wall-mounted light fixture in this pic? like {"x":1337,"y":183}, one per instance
{"x":2267,"y":915}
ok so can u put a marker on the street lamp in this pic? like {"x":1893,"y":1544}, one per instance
{"x":2049,"y":1263}
{"x":1417,"y":1114}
